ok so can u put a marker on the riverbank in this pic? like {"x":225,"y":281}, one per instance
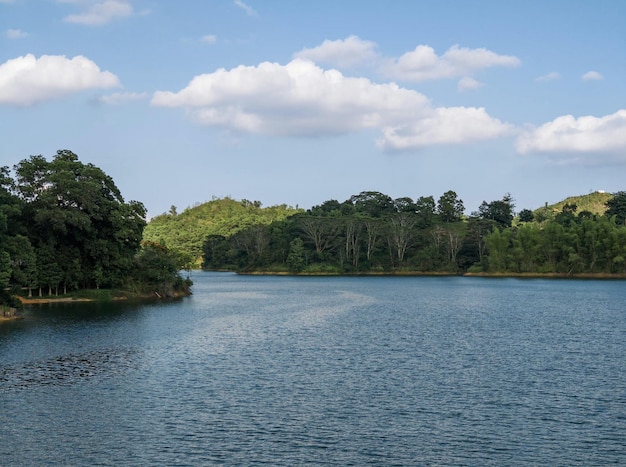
{"x":101,"y":296}
{"x":42,"y":300}
{"x":547,"y":275}
{"x":521,"y":275}
{"x":9,"y":318}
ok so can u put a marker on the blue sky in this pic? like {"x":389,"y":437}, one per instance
{"x":299,"y":102}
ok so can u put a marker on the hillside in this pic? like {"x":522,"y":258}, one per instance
{"x":187,"y":231}
{"x":593,"y":202}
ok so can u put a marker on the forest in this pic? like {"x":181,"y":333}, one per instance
{"x":64,"y":226}
{"x":373,"y":233}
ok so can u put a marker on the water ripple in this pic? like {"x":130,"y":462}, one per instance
{"x":68,"y":369}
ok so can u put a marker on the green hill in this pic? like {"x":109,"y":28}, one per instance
{"x":593,"y":202}
{"x":187,"y":231}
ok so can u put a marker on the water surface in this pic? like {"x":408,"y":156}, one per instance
{"x":323,"y":371}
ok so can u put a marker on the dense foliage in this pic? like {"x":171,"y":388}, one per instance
{"x":371,"y":232}
{"x":64,"y":225}
{"x":186,"y":232}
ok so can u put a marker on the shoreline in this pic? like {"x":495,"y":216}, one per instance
{"x":496,"y":275}
{"x":48,"y":300}
{"x":548,"y":275}
{"x":4,"y":319}
{"x":34,"y":301}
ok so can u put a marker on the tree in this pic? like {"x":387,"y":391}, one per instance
{"x":616,"y":206}
{"x":157,"y":269}
{"x":567,"y":215}
{"x":327,"y":208}
{"x":426,"y":210}
{"x":321,"y":232}
{"x":215,"y":252}
{"x":449,"y":207}
{"x":296,"y":260}
{"x":498,"y":247}
{"x":500,"y":211}
{"x":400,"y":235}
{"x":525,"y":248}
{"x":526,"y":215}
{"x":5,"y":269}
{"x":373,"y":231}
{"x":49,"y":273}
{"x":71,"y":207}
{"x":404,"y":204}
{"x":373,"y":203}
{"x":254,"y":241}
{"x":23,"y":261}
{"x":352,"y":229}
{"x":477,"y":229}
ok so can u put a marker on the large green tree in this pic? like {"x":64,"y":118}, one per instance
{"x":449,"y":207}
{"x":77,"y":218}
{"x":500,"y":211}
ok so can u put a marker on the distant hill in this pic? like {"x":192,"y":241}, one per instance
{"x":187,"y":231}
{"x":593,"y":202}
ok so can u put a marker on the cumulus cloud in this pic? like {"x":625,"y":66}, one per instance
{"x":15,"y":34}
{"x":121,"y":97}
{"x":592,"y":76}
{"x":98,"y":13}
{"x":28,"y":80}
{"x":343,"y":53}
{"x":445,"y":125}
{"x":295,"y":99}
{"x":468,"y":84}
{"x":302,"y":99}
{"x":424,"y":64}
{"x":553,"y":75}
{"x":567,"y":135}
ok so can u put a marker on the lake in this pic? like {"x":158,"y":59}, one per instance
{"x":285,"y":371}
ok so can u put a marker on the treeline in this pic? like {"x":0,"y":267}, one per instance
{"x":64,"y":226}
{"x":372,"y":232}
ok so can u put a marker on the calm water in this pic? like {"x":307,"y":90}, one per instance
{"x":323,"y":371}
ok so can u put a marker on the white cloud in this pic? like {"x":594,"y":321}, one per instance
{"x":120,"y":97}
{"x":468,"y":84}
{"x":552,"y":76}
{"x":28,"y":80}
{"x":592,"y":76}
{"x":209,"y":39}
{"x":247,"y":8}
{"x":445,"y":125}
{"x":98,"y":13}
{"x":423,"y":64}
{"x":575,"y":136}
{"x":16,"y":34}
{"x":343,"y":53}
{"x":295,"y":99}
{"x":302,"y":99}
